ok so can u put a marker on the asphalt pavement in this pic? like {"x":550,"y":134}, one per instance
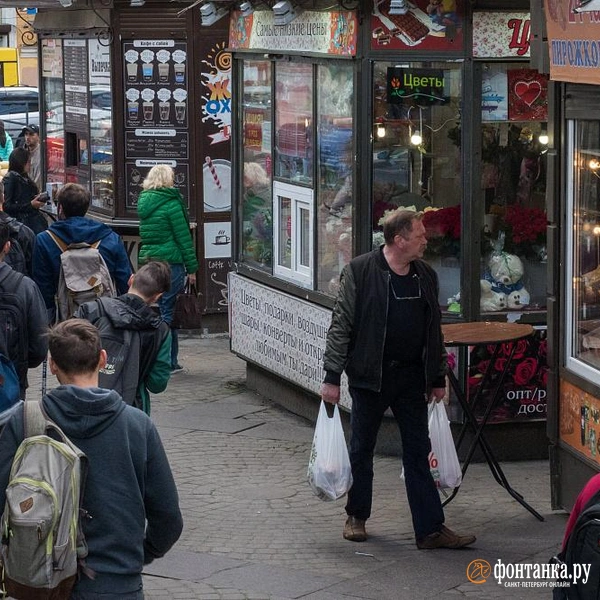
{"x":255,"y":530}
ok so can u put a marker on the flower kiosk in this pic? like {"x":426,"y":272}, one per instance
{"x":336,"y":128}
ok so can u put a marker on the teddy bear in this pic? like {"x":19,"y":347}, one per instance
{"x":491,"y":300}
{"x":505,"y":273}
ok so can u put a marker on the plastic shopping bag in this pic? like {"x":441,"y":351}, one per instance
{"x":329,"y":473}
{"x":443,"y":459}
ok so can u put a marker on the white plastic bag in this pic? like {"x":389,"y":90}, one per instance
{"x":329,"y":473}
{"x":443,"y":459}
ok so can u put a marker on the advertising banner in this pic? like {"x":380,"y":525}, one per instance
{"x":580,"y":420}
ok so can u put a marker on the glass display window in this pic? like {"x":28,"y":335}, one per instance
{"x":335,"y":141}
{"x":416,"y":158}
{"x":582,"y":309}
{"x":298,"y":191}
{"x":514,"y":143}
{"x":257,"y":202}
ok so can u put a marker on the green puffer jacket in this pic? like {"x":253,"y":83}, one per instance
{"x":164,"y":229}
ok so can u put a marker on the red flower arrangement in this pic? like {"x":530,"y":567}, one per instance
{"x":527,"y":225}
{"x":442,"y":228}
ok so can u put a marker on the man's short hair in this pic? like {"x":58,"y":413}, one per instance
{"x":153,"y":278}
{"x":400,"y":222}
{"x":4,"y":234}
{"x":75,"y":346}
{"x":74,"y":200}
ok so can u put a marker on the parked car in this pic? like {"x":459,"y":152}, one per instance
{"x":19,"y":106}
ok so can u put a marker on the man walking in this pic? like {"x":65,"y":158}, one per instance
{"x":150,"y":334}
{"x":23,"y":316}
{"x":129,"y":491}
{"x":386,"y":334}
{"x":74,"y":227}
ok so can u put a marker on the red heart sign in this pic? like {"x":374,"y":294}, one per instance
{"x":528,"y":91}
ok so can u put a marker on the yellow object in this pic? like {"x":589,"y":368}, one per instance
{"x":9,"y":67}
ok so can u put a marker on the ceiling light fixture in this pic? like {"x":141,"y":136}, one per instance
{"x":66,"y":3}
{"x":283,"y":12}
{"x":246,"y":9}
{"x":416,"y":139}
{"x":211,"y":14}
{"x":134,"y":3}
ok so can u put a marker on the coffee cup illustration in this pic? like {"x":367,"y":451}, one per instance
{"x":132,"y":72}
{"x":180,"y":111}
{"x":164,"y":109}
{"x":163,"y":72}
{"x":148,"y":108}
{"x":221,"y":240}
{"x":148,"y":72}
{"x":133,"y":110}
{"x":179,"y":73}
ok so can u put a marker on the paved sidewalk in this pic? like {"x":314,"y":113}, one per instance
{"x":254,"y":529}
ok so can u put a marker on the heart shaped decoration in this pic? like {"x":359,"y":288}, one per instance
{"x":528,"y":91}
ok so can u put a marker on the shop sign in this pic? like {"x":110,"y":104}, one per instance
{"x":573,"y":42}
{"x":523,"y":393}
{"x":426,"y":25}
{"x":281,"y":333}
{"x":579,"y":421}
{"x":426,"y":86}
{"x":501,"y":34}
{"x":253,"y":124}
{"x":322,"y":32}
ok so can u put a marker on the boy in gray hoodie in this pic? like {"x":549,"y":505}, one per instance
{"x":129,"y":491}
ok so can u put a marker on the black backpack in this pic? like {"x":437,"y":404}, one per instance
{"x":583,"y":548}
{"x":122,"y":346}
{"x":13,"y":322}
{"x":16,"y":257}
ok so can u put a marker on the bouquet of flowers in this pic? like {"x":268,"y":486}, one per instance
{"x":442,"y":228}
{"x":525,"y":230}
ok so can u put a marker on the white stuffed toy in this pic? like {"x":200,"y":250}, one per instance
{"x":491,"y":300}
{"x":505,"y":273}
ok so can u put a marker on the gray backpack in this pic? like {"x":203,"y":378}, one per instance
{"x":83,"y":276}
{"x":42,"y":541}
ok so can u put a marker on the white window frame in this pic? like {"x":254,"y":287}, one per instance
{"x":572,"y":363}
{"x":302,"y":199}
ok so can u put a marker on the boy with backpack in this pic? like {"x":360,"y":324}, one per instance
{"x":130,"y":507}
{"x":22,"y":319}
{"x":137,"y":341}
{"x":66,"y":269}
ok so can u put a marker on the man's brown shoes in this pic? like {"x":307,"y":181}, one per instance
{"x":445,"y":538}
{"x":354,"y":530}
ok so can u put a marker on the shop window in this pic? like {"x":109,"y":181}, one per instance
{"x":513,"y":184}
{"x":293,"y":122}
{"x":416,"y":157}
{"x":335,"y":126}
{"x":294,"y":233}
{"x":257,"y":203}
{"x":583,"y":249}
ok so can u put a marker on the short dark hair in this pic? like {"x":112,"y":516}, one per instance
{"x":4,"y":234}
{"x":75,"y":346}
{"x":74,"y":200}
{"x":400,"y":222}
{"x":18,"y":159}
{"x":153,"y":278}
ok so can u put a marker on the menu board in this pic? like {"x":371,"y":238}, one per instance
{"x":156,"y":112}
{"x":75,"y":61}
{"x":156,"y":84}
{"x":136,"y":171}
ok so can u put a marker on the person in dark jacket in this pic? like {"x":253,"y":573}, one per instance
{"x":21,"y":194}
{"x":386,"y":334}
{"x":73,"y":227}
{"x":20,"y":256}
{"x":165,"y":235}
{"x":30,"y":300}
{"x":129,"y":490}
{"x":132,"y":312}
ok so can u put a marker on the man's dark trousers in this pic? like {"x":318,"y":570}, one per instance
{"x":403,"y":391}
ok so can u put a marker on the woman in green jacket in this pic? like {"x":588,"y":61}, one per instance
{"x":165,"y":235}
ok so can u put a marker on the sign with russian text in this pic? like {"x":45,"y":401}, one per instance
{"x":574,"y":42}
{"x":522,"y":394}
{"x":425,"y":86}
{"x":281,"y":333}
{"x":333,"y":32}
{"x":579,"y":420}
{"x":501,"y":34}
